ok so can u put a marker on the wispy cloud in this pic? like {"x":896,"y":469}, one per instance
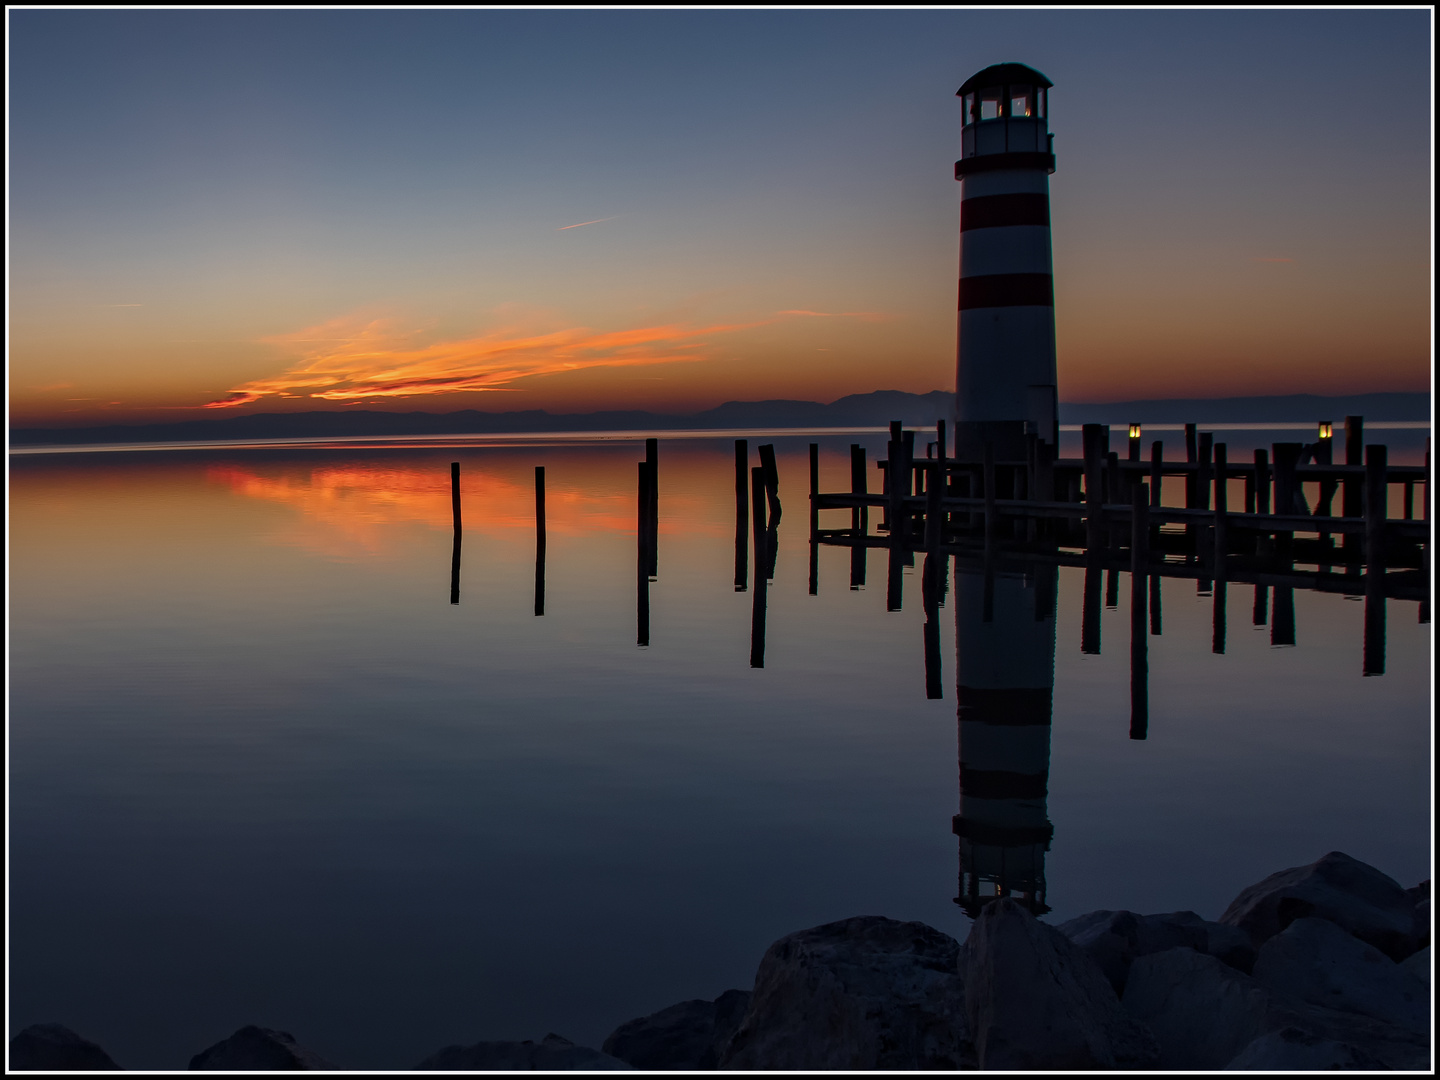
{"x":577,"y":225}
{"x":866,"y":316}
{"x":353,"y":359}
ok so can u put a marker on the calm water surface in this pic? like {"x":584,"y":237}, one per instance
{"x":263,"y":771}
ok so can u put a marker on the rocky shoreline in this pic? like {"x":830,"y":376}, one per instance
{"x":1319,"y":967}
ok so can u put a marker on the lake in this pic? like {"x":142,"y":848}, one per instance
{"x":264,"y":771}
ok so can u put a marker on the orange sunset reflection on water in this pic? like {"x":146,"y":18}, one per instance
{"x":352,"y":509}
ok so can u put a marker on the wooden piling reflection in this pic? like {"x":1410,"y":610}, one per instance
{"x":1282,"y":618}
{"x":930,"y":596}
{"x":757,"y":608}
{"x":1139,"y":646}
{"x":1090,"y":612}
{"x":814,"y":519}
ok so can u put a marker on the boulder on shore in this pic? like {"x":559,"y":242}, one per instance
{"x":554,"y":1053}
{"x":685,"y":1036}
{"x":1293,"y":1050}
{"x":1315,"y":961}
{"x":862,"y":993}
{"x":1355,"y":897}
{"x":1115,"y":938}
{"x":1419,"y":965}
{"x":1205,"y":1013}
{"x":257,"y":1049}
{"x":1035,"y":1000}
{"x":55,"y":1048}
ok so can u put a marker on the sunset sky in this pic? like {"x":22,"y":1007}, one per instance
{"x":580,"y":210}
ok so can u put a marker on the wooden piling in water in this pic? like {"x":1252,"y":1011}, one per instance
{"x":1090,"y":610}
{"x":1352,"y":504}
{"x":642,"y":556}
{"x":1203,"y":477}
{"x":1192,"y":456}
{"x":1222,"y":505}
{"x":814,"y":519}
{"x":742,"y":514}
{"x":1282,"y":618}
{"x":772,"y":483}
{"x":539,"y":539}
{"x":652,"y":461}
{"x":1262,"y":482}
{"x":1376,"y":511}
{"x":1155,"y":623}
{"x":455,"y":524}
{"x":455,"y":495}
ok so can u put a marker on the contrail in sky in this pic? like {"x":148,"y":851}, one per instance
{"x":579,"y":223}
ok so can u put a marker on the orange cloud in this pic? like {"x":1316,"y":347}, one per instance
{"x":342,"y":361}
{"x":867,"y":316}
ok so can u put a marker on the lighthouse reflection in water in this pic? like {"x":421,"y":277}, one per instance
{"x":1005,"y":679}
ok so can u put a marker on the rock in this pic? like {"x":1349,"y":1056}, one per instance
{"x":1420,"y":892}
{"x":257,"y":1049}
{"x":1419,"y":965}
{"x":686,"y":1036}
{"x":1316,"y":961}
{"x":55,"y":1048}
{"x":1035,"y":1000}
{"x":1205,"y":1013}
{"x":554,"y":1053}
{"x":862,"y":993}
{"x":1355,"y":897}
{"x":1293,"y":1050}
{"x":1422,"y":923}
{"x":1114,"y":938}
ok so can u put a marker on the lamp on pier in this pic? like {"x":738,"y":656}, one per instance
{"x":1327,"y":429}
{"x":1134,"y":442}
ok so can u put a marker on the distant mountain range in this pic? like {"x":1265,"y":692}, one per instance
{"x":856,"y":410}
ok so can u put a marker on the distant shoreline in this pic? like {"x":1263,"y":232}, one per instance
{"x":858,"y":412}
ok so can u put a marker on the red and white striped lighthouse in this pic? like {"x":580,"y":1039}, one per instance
{"x":1005,"y":370}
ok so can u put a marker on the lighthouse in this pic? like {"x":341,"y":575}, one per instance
{"x":1005,"y":384}
{"x":1005,"y":681}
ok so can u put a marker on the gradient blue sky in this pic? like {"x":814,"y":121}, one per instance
{"x":208,"y":201}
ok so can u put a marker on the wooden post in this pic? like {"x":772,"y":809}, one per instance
{"x":1044,"y":471}
{"x":1191,"y":457}
{"x":1202,"y":480}
{"x":757,"y":610}
{"x":814,"y":519}
{"x":1376,"y":510}
{"x":1090,"y":435}
{"x":455,"y":495}
{"x":539,"y":539}
{"x":1352,"y":503}
{"x":859,"y":516}
{"x":772,"y":483}
{"x":652,"y":462}
{"x":1135,"y":442}
{"x":1222,"y":506}
{"x":1139,"y":655}
{"x":642,"y":557}
{"x":742,"y":515}
{"x":941,"y":475}
{"x":455,"y":523}
{"x":1157,"y":471}
{"x":1262,"y":482}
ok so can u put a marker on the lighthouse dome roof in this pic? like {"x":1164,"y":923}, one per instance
{"x":1003,"y":74}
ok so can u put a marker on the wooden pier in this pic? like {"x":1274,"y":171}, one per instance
{"x":1080,"y":511}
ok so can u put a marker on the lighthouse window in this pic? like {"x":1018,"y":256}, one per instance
{"x":990,"y":104}
{"x":969,"y":109}
{"x":1040,"y":102}
{"x":1021,"y":101}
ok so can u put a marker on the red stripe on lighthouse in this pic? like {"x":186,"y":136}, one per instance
{"x":996,"y":211}
{"x":1007,"y":290}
